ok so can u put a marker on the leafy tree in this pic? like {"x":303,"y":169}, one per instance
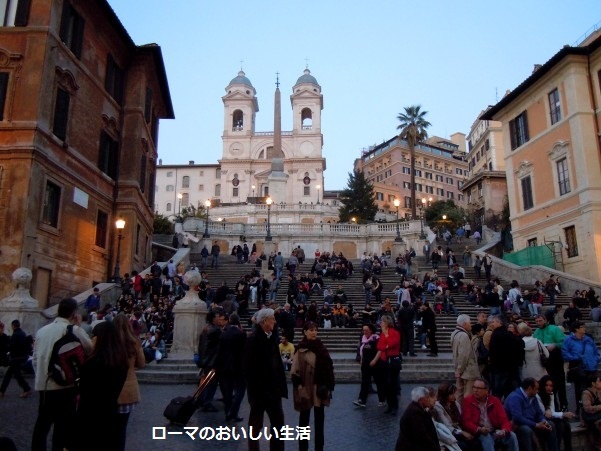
{"x":162,"y":225}
{"x":413,"y":125}
{"x":455,"y":215}
{"x":192,"y":212}
{"x":358,"y":200}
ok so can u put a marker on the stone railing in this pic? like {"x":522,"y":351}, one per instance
{"x":377,"y":229}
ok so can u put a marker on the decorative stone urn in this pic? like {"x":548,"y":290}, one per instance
{"x":20,"y":305}
{"x":190,"y":314}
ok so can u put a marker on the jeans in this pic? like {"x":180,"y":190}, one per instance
{"x":525,"y":435}
{"x":56,"y":407}
{"x":215,"y":261}
{"x":510,"y":442}
{"x":367,"y":296}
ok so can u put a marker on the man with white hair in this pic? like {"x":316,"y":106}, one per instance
{"x":266,"y":379}
{"x":465,"y":360}
{"x":417,"y":431}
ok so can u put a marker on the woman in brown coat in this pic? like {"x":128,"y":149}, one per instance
{"x":130,"y":394}
{"x":312,"y":376}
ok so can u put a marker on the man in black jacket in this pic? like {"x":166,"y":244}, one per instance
{"x":208,"y":348}
{"x":405,"y":318}
{"x":19,"y":348}
{"x":265,"y":378}
{"x":506,"y":355}
{"x":417,"y":431}
{"x":229,"y":366}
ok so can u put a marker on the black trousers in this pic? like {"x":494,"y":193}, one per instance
{"x":273,"y":408}
{"x":14,"y":369}
{"x":317,"y":434}
{"x":433,"y":343}
{"x":56,"y":407}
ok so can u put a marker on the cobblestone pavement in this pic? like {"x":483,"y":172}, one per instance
{"x":346,"y":426}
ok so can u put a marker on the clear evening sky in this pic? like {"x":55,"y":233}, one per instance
{"x":371,"y":58}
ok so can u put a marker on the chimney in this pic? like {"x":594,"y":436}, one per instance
{"x":160,"y":162}
{"x":191,"y":162}
{"x":536,"y":67}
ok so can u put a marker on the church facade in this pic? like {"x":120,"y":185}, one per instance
{"x":287,"y":166}
{"x":248,"y":154}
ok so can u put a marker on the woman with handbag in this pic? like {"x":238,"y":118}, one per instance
{"x":389,"y":355}
{"x":535,"y":354}
{"x":312,"y":375}
{"x":130,"y":393}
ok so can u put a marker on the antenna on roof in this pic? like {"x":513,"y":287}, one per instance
{"x":277,"y":79}
{"x":497,"y":95}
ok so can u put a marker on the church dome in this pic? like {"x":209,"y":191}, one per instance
{"x":307,"y":78}
{"x":242,"y":80}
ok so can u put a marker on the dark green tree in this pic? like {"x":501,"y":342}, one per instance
{"x":455,"y":215}
{"x":162,"y":225}
{"x":413,"y":125}
{"x":358,"y":200}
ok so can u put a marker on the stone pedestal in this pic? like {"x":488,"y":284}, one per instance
{"x":190,"y":314}
{"x":397,"y":249}
{"x":20,"y":305}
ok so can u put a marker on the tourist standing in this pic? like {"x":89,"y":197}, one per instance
{"x":19,"y":347}
{"x":312,"y":375}
{"x":265,"y":377}
{"x":57,"y":402}
{"x":130,"y":394}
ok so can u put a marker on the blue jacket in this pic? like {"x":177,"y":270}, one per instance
{"x":522,"y":410}
{"x":584,"y":350}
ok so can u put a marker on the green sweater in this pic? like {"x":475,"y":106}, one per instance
{"x":550,"y":334}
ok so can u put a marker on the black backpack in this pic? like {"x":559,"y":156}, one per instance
{"x":66,"y":359}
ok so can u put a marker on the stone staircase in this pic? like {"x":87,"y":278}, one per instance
{"x":342,"y":343}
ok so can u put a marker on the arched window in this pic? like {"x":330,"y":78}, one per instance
{"x":186,"y":181}
{"x":307,"y":119}
{"x":168,"y":207}
{"x":218,"y":190}
{"x":238,"y":121}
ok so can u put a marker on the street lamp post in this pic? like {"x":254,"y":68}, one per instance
{"x":120,"y":225}
{"x":422,"y":235}
{"x":268,"y":201}
{"x":318,"y":187}
{"x":180,"y":196}
{"x":206,"y":234}
{"x":397,"y":204}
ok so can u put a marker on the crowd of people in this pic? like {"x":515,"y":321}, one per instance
{"x":509,"y":387}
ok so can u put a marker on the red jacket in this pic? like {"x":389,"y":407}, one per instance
{"x":470,"y":418}
{"x":393,"y":341}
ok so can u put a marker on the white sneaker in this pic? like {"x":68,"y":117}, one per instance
{"x":424,"y":347}
{"x":381,"y":404}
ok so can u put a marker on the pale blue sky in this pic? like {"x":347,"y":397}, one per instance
{"x":370,"y":58}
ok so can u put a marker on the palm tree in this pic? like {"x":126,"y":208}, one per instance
{"x":413,"y":130}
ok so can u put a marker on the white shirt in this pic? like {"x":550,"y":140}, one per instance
{"x":44,"y":342}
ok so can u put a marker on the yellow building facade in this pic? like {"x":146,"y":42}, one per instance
{"x":553,"y":157}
